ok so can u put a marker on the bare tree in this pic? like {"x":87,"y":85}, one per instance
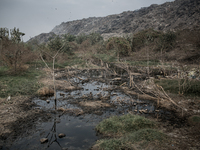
{"x":53,"y":67}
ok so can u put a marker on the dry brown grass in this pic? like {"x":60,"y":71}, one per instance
{"x":45,"y":91}
{"x":95,"y":104}
{"x":15,"y":56}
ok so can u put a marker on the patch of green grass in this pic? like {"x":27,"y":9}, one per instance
{"x":141,"y":138}
{"x":187,"y":87}
{"x":3,"y":70}
{"x":146,"y":135}
{"x":124,"y":124}
{"x":20,"y":84}
{"x":196,"y":119}
{"x":132,"y":131}
{"x":111,"y":144}
{"x":74,"y":61}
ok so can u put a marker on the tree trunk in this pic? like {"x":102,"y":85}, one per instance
{"x":55,"y":98}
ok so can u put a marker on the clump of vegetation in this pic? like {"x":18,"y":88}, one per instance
{"x":143,"y":38}
{"x":144,"y":63}
{"x":147,"y":135}
{"x":120,"y":44}
{"x":162,"y":41}
{"x":166,"y":41}
{"x":58,"y":43}
{"x":180,"y":86}
{"x":194,"y":120}
{"x":132,"y":131}
{"x":14,"y":54}
{"x":95,"y":38}
{"x":139,"y":139}
{"x":21,"y":84}
{"x":109,"y":57}
{"x":69,"y":37}
{"x":123,"y":124}
{"x":92,"y":37}
{"x":80,"y":38}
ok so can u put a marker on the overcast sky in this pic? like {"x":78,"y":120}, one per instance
{"x":40,"y":16}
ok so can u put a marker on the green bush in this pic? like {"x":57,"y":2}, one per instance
{"x":120,"y":44}
{"x":80,"y":38}
{"x":56,"y":44}
{"x":95,"y":38}
{"x":166,"y":41}
{"x":68,"y":37}
{"x":143,"y":38}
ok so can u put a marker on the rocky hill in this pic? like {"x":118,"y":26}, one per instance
{"x":179,"y":14}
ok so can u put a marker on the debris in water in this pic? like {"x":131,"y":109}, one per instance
{"x":43,"y":140}
{"x":61,"y":135}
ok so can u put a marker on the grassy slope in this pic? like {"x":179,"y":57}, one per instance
{"x":20,"y":84}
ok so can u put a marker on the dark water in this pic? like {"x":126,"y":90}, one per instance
{"x":80,"y":130}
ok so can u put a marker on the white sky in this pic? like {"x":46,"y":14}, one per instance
{"x":40,"y":16}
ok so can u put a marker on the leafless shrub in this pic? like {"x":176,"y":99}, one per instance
{"x":15,"y":56}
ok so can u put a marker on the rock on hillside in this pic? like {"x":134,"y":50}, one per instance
{"x":175,"y":15}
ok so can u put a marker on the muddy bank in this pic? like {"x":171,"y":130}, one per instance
{"x":18,"y":119}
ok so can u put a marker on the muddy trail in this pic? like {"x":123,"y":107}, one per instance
{"x":97,"y":97}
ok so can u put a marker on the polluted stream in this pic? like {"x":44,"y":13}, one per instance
{"x":73,"y":127}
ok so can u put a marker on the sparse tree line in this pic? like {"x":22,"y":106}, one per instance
{"x":15,"y":53}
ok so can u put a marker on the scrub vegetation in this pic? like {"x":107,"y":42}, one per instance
{"x":128,"y":132}
{"x":167,"y":64}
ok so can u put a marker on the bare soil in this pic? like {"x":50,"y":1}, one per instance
{"x":16,"y":118}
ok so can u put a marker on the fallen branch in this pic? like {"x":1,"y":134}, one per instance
{"x":170,"y":98}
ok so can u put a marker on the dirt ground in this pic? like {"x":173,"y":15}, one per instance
{"x":17,"y":115}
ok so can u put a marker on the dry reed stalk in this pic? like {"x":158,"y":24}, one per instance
{"x":172,"y":100}
{"x":123,"y":84}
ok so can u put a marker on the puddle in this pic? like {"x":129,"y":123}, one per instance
{"x":80,"y":130}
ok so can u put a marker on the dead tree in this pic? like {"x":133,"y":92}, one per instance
{"x":53,"y":68}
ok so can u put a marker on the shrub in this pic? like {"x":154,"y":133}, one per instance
{"x":120,"y":44}
{"x":57,"y":43}
{"x":80,"y":38}
{"x":143,"y":38}
{"x":15,"y":56}
{"x":95,"y":38}
{"x":166,"y":41}
{"x":68,"y":37}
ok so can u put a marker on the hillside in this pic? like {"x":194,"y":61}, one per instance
{"x":180,"y":14}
